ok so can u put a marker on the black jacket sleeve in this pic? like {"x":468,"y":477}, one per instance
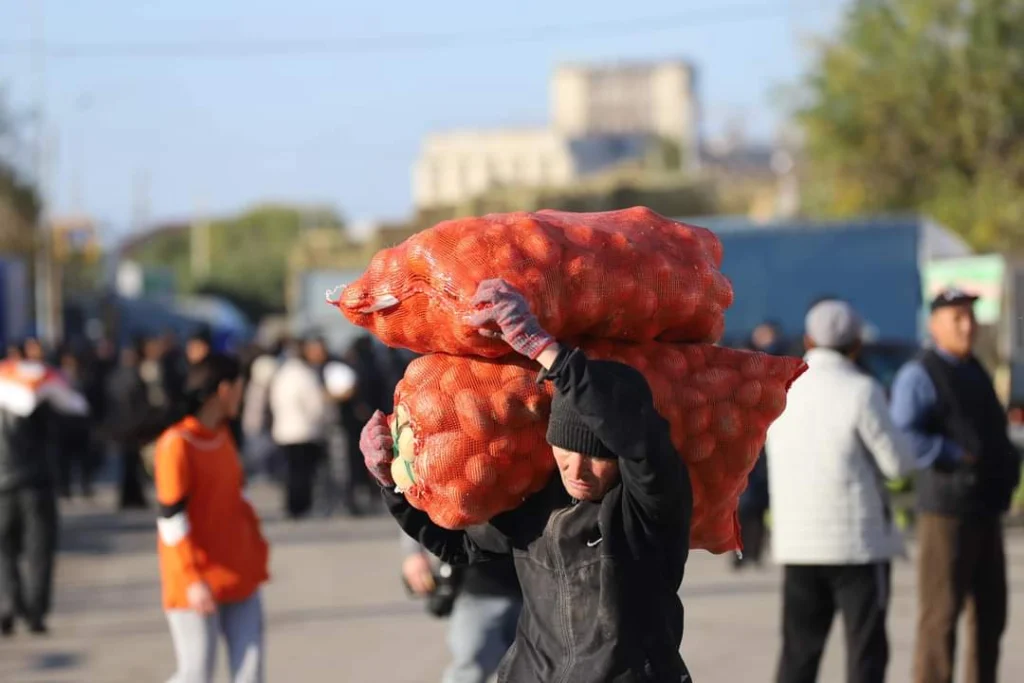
{"x":616,"y":404}
{"x":453,"y":547}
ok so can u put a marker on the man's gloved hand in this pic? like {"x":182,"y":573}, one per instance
{"x":503,"y":306}
{"x":376,"y":444}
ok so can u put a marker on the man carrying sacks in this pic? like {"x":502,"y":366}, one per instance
{"x":600,"y":551}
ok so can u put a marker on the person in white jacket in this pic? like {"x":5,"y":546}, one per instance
{"x":298,"y":404}
{"x":301,"y":394}
{"x":829,"y":455}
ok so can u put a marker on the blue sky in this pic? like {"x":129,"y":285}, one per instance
{"x":342,"y":128}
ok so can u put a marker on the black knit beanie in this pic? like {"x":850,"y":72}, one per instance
{"x":567,"y":430}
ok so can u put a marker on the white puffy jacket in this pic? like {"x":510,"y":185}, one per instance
{"x":828,"y":457}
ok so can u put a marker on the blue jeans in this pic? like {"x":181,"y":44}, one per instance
{"x":195,"y":639}
{"x":482,"y":629}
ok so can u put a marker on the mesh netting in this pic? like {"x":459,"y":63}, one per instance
{"x":472,"y":432}
{"x":719,"y":404}
{"x":622,"y":275}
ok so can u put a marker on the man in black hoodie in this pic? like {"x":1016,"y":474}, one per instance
{"x":600,"y":551}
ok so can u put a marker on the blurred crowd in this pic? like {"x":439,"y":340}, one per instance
{"x":818,"y":496}
{"x":303,"y":439}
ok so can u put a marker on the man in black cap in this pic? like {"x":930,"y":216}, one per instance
{"x":600,"y":551}
{"x":946,"y":402}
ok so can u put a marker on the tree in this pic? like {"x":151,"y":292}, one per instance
{"x":19,"y":203}
{"x":918,"y":105}
{"x":670,"y":194}
{"x":248,"y":254}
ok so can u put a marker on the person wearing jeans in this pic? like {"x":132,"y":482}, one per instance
{"x":196,"y":635}
{"x":483,"y":619}
{"x":213,"y":557}
{"x":832,"y":529}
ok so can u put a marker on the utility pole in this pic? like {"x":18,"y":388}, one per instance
{"x":82,"y":105}
{"x":140,"y":201}
{"x":46,"y":298}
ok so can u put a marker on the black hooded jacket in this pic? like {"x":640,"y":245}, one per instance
{"x":600,"y":579}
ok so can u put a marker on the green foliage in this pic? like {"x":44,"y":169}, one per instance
{"x":918,"y":105}
{"x":667,"y":193}
{"x":665,"y":154}
{"x":19,"y":204}
{"x":248,"y":254}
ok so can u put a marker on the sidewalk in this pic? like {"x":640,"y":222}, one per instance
{"x":335,"y":602}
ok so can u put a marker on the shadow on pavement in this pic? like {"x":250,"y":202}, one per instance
{"x":53,"y":661}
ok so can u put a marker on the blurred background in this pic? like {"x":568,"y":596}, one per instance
{"x":173,"y":167}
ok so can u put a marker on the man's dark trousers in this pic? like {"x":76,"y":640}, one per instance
{"x":962,"y":563}
{"x":28,"y":529}
{"x":811,"y":596}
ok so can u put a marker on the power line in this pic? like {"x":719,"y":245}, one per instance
{"x":410,"y":42}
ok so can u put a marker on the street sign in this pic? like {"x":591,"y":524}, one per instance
{"x":984,"y":276}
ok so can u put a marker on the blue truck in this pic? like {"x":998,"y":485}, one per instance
{"x":779,"y":269}
{"x":15,"y":301}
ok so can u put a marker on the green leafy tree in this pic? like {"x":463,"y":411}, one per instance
{"x":248,"y":254}
{"x":918,"y":105}
{"x":19,"y":203}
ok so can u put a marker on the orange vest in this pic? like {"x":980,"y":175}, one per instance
{"x":214,"y":535}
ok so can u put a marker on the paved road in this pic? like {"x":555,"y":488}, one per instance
{"x":335,"y":604}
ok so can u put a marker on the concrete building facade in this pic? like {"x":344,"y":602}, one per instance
{"x":601,"y":116}
{"x":459,"y":165}
{"x":657,"y":99}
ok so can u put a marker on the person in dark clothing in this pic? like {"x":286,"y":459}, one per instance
{"x":338,"y":382}
{"x":393,"y":366}
{"x":768,"y":338}
{"x":175,"y":366}
{"x":969,"y":469}
{"x":371,"y":394}
{"x":31,"y":398}
{"x":99,"y":363}
{"x":600,"y":551}
{"x":482,"y":602}
{"x":75,"y":448}
{"x":32,"y":349}
{"x":754,"y":501}
{"x":199,"y":345}
{"x":136,"y":417}
{"x":753,"y":505}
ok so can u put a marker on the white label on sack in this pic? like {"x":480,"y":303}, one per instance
{"x":381,"y":303}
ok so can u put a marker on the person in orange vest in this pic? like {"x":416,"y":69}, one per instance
{"x":213,"y":557}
